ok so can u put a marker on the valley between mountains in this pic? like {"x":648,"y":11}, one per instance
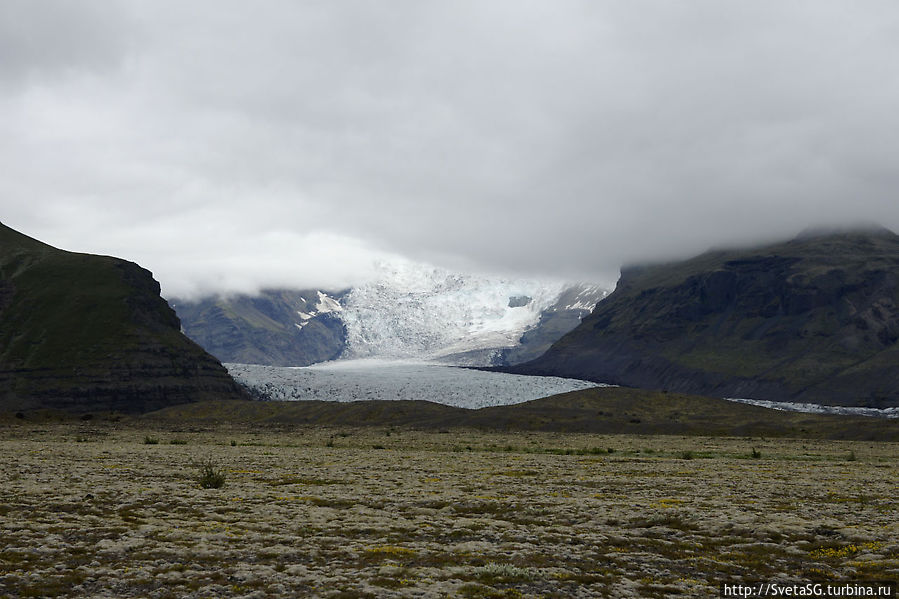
{"x":134,"y":465}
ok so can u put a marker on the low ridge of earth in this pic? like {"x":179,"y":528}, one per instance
{"x":116,"y":509}
{"x":814,"y":320}
{"x":603,"y":410}
{"x":91,"y":333}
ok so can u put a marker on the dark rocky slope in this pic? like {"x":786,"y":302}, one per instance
{"x":815,"y":320}
{"x":90,"y":333}
{"x":277,"y":327}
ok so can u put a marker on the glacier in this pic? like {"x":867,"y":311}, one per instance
{"x":414,"y":310}
{"x":813,"y":408}
{"x":404,"y":310}
{"x":376,"y":379}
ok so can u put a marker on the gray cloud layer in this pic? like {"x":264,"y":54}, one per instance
{"x":226,"y":145}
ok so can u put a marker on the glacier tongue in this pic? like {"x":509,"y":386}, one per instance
{"x":412,"y":310}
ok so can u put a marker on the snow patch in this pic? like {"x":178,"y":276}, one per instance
{"x":327,"y":304}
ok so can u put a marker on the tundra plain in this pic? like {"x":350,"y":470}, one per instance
{"x":114,"y":509}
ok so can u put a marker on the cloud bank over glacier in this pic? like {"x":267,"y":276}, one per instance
{"x":229,"y":147}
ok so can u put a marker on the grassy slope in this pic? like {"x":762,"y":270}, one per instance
{"x":609,"y":410}
{"x":34,"y":331}
{"x":74,"y":325}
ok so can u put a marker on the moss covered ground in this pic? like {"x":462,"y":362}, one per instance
{"x":88,"y":508}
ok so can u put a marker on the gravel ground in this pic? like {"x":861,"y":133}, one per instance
{"x":99,"y":510}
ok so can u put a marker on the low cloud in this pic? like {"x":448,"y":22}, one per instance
{"x":230,"y":148}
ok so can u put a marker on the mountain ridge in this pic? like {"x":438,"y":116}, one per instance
{"x":812,"y":319}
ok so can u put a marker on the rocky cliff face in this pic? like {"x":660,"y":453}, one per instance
{"x":814,"y":320}
{"x":90,"y":333}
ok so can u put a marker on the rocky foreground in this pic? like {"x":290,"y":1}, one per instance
{"x":115,"y":510}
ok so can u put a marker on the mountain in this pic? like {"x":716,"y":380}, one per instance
{"x":407,"y":311}
{"x":815,"y":319}
{"x":87,"y":333}
{"x":277,"y":327}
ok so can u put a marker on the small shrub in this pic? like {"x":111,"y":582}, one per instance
{"x":610,"y":450}
{"x":86,"y":417}
{"x":330,"y":442}
{"x":233,"y":443}
{"x":378,"y":447}
{"x":495,"y":572}
{"x":686,"y":455}
{"x":851,"y":457}
{"x":177,"y":442}
{"x":210,"y":476}
{"x":148,"y":440}
{"x":756,"y":454}
{"x":20,"y":415}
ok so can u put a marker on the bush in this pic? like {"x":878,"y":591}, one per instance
{"x":148,"y":440}
{"x":210,"y":476}
{"x":756,"y":453}
{"x":178,"y":442}
{"x":495,"y":572}
{"x":686,"y":455}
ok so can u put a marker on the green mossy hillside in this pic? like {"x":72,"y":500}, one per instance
{"x":86,"y":332}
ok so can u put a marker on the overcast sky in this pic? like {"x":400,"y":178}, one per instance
{"x":233,"y":145}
